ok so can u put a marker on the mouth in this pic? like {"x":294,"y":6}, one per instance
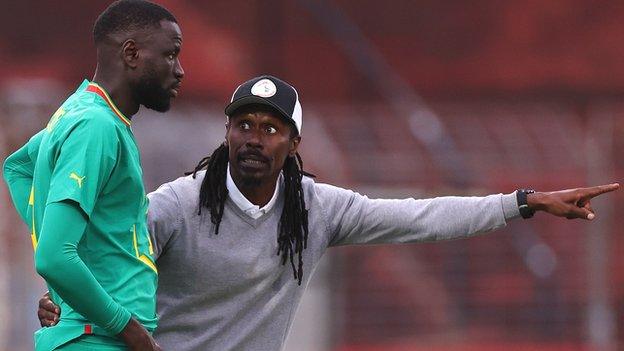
{"x":175,"y":90}
{"x":252,"y":160}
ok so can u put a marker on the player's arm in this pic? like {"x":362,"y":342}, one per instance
{"x":164,"y":218}
{"x":356,"y":219}
{"x":85,"y":161}
{"x":18,"y":174}
{"x":57,"y":261}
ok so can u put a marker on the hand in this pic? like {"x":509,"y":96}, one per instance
{"x":137,"y":338}
{"x":48,"y":312}
{"x":571,"y":203}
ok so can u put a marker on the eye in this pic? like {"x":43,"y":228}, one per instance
{"x":271,"y":130}
{"x":171,"y":57}
{"x":244,"y":126}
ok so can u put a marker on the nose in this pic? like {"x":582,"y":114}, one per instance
{"x":254,"y":139}
{"x":178,"y":71}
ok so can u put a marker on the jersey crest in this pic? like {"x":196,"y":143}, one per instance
{"x":55,"y":118}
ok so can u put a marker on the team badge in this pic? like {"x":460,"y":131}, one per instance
{"x":264,"y":88}
{"x":55,"y":118}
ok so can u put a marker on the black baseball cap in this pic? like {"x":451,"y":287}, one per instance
{"x":270,"y":91}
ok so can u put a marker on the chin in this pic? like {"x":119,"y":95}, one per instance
{"x":159,"y":107}
{"x":251,"y":180}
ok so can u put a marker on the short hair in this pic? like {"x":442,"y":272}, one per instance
{"x":127,"y":15}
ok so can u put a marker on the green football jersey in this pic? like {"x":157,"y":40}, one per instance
{"x":88,"y":154}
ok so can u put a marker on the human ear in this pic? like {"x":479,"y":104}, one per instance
{"x":130,"y":53}
{"x":294,"y":145}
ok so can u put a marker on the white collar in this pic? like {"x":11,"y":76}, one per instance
{"x":253,"y":211}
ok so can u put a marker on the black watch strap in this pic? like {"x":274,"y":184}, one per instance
{"x":523,"y":206}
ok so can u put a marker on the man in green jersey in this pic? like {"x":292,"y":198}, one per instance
{"x":78,"y":184}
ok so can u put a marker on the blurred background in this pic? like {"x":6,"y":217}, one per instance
{"x":401,"y":99}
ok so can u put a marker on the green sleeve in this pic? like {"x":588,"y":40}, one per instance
{"x":18,"y":174}
{"x":57,"y":261}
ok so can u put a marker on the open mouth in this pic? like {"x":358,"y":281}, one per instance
{"x":252,"y":160}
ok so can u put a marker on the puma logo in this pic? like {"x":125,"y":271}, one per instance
{"x":77,"y":178}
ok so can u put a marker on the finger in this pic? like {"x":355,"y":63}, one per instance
{"x":585,"y":203}
{"x":580,"y":212}
{"x":46,"y":315}
{"x":48,"y":305}
{"x":588,"y":207}
{"x":47,"y":322}
{"x":599,"y":190}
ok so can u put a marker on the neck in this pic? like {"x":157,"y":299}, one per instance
{"x":119,"y":91}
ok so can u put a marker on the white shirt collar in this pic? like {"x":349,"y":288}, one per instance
{"x":253,"y":211}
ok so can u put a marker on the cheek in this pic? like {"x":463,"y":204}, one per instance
{"x":160,"y":68}
{"x":233,"y":140}
{"x":281,"y":153}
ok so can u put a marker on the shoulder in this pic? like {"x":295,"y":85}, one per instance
{"x":85,"y":107}
{"x":88,"y":119}
{"x":185,"y":189}
{"x":324,"y":192}
{"x":97,"y":118}
{"x":187,"y":183}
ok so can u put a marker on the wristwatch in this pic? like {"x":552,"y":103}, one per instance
{"x":523,"y":206}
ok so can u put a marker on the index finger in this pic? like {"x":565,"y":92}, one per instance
{"x":600,"y":189}
{"x":48,"y":305}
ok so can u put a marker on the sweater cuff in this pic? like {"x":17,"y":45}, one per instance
{"x":510,"y":206}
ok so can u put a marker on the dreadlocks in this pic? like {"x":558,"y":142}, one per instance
{"x":292,"y":235}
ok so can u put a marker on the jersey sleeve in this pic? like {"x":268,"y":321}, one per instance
{"x":84,"y":162}
{"x":57,"y":260}
{"x":356,"y":219}
{"x":18,"y":173}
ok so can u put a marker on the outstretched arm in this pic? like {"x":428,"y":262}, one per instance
{"x":356,"y":219}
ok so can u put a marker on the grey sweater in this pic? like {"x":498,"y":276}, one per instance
{"x":231,"y":292}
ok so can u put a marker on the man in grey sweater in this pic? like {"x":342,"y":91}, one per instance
{"x":237,"y":240}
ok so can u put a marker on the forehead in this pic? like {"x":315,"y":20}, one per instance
{"x":168,"y":32}
{"x":264,"y":115}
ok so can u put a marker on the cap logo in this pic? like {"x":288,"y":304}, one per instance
{"x":264,"y":88}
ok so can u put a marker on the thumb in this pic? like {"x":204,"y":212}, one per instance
{"x":580,"y":212}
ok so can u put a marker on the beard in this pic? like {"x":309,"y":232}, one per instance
{"x":149,"y":92}
{"x":250,"y":181}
